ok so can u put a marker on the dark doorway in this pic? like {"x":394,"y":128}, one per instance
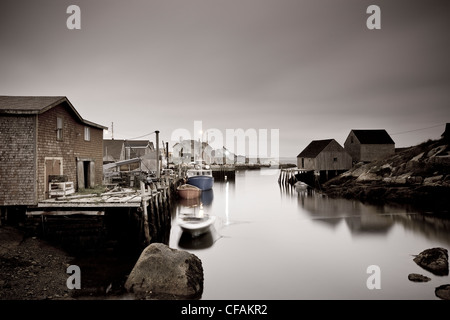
{"x":86,"y":171}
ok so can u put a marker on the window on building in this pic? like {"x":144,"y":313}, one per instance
{"x":334,"y":159}
{"x":59,"y":128}
{"x":351,"y":139}
{"x":303,"y":162}
{"x":87,"y":134}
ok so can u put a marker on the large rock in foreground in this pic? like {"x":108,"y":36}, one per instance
{"x":443,"y":292}
{"x":434,"y":260}
{"x":165,"y":273}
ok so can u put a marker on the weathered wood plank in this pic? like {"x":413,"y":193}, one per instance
{"x":65,"y":213}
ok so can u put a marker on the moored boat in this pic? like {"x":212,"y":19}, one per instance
{"x":201,"y":177}
{"x":194,"y":224}
{"x":189,"y":191}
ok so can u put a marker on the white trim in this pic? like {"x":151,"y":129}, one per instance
{"x":61,"y":170}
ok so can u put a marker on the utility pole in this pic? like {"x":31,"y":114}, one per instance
{"x":158,"y":174}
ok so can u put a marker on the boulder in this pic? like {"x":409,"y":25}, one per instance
{"x":434,"y":260}
{"x":431,"y":181}
{"x":415,"y":277}
{"x":443,"y":292}
{"x":165,"y":273}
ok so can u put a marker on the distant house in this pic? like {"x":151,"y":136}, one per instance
{"x":119,"y":150}
{"x":324,"y":155}
{"x":146,"y":163}
{"x":43,"y":138}
{"x":112,"y":150}
{"x":136,"y":148}
{"x":369,"y":145}
{"x":225,"y":156}
{"x":187,"y":151}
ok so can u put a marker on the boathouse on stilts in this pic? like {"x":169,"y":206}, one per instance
{"x":320,"y":161}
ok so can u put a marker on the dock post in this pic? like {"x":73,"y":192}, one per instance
{"x":146,"y":226}
{"x":145,"y":213}
{"x":158,"y":173}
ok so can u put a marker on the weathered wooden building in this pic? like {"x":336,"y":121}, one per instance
{"x":44,"y":137}
{"x":322,"y":160}
{"x":324,"y":155}
{"x":118,"y":150}
{"x":112,"y":150}
{"x":187,"y":151}
{"x":369,"y":145}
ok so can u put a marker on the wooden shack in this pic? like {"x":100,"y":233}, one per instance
{"x":369,"y":145}
{"x":45,"y":138}
{"x":324,"y":157}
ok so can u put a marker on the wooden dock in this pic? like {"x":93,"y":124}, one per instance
{"x":138,"y":216}
{"x":223,"y":172}
{"x":288,"y":175}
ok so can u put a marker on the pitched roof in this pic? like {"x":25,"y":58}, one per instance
{"x":38,"y":105}
{"x":314,"y":148}
{"x":112,"y":149}
{"x":376,"y":136}
{"x":138,"y":143}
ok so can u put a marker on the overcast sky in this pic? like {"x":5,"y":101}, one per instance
{"x":311,"y":69}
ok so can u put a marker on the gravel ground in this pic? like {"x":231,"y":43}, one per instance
{"x":34,"y":269}
{"x":31,"y":269}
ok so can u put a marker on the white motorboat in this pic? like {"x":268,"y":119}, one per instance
{"x":194,"y":224}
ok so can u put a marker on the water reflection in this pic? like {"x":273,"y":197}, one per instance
{"x":256,"y":216}
{"x":369,"y":219}
{"x":359,"y":218}
{"x":207,"y":197}
{"x":201,"y":242}
{"x":197,"y":206}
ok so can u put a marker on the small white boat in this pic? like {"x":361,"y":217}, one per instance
{"x":195,"y":225}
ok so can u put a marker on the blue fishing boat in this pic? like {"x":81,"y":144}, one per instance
{"x":200,"y":176}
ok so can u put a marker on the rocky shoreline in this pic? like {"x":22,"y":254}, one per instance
{"x":418,"y":176}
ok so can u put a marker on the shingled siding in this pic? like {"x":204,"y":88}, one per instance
{"x":70,"y":148}
{"x":353,"y":147}
{"x":331,"y":157}
{"x":371,"y":152}
{"x":17,"y":161}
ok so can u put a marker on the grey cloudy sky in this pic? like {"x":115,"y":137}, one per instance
{"x":311,"y":69}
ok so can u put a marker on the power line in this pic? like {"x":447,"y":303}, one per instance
{"x":142,"y":136}
{"x":438,"y":125}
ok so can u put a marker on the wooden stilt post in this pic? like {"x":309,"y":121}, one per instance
{"x":146,"y":226}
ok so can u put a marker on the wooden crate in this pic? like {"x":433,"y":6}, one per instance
{"x":60,"y":188}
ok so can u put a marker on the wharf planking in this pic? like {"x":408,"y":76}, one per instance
{"x":137,"y":216}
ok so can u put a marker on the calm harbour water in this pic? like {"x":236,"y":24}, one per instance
{"x":276,"y":244}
